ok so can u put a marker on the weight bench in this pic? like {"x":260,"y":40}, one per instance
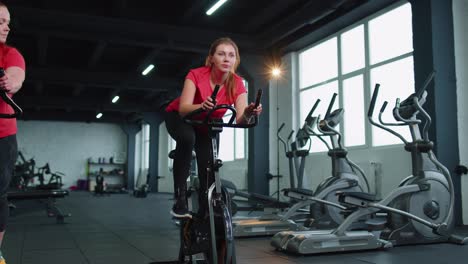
{"x":49,"y":195}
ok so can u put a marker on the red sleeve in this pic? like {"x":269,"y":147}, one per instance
{"x":240,"y":89}
{"x":191,"y":76}
{"x":14,"y":58}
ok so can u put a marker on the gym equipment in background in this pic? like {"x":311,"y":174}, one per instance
{"x":420,"y":210}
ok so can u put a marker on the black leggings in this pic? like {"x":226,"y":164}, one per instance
{"x":8,"y":155}
{"x":187,"y":138}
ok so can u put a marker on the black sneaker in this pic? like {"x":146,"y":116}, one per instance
{"x":180,"y":211}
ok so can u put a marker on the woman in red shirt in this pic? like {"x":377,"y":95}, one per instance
{"x":13,"y":64}
{"x":220,"y":67}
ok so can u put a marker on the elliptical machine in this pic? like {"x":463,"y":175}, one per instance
{"x":419,"y":210}
{"x":325,"y":211}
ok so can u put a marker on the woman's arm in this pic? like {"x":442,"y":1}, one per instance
{"x":186,"y":99}
{"x":13,"y":79}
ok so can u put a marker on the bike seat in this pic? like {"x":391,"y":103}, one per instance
{"x":302,"y":191}
{"x":358,"y":195}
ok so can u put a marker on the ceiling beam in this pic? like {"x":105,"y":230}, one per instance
{"x":190,"y":11}
{"x":39,"y":21}
{"x":96,"y":79}
{"x":85,"y":116}
{"x":39,"y":87}
{"x":42,"y":43}
{"x":309,"y":13}
{"x":77,"y":89}
{"x":97,"y":54}
{"x":119,"y":7}
{"x":267,"y":14}
{"x":74,"y":103}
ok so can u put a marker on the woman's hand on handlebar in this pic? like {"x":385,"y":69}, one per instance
{"x":251,"y":111}
{"x":5,"y":84}
{"x":208,"y":104}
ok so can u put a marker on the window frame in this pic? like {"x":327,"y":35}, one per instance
{"x":365,"y":72}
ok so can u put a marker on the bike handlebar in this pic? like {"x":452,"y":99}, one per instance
{"x":211,"y":122}
{"x":215,"y":92}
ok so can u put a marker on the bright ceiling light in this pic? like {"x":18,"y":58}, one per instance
{"x":99,"y":115}
{"x":115,"y":99}
{"x":215,"y":7}
{"x":148,"y":69}
{"x":276,"y":72}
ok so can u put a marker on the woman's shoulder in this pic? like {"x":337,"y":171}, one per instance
{"x":237,"y":77}
{"x":200,"y":70}
{"x":198,"y":75}
{"x":7,"y":48}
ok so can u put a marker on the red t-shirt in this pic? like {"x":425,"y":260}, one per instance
{"x":9,"y":57}
{"x":201,"y":78}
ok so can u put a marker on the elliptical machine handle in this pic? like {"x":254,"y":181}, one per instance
{"x":428,"y":80}
{"x":384,"y":105}
{"x":330,"y":106}
{"x":280,"y":128}
{"x":309,"y":116}
{"x":290,"y":135}
{"x":370,"y":113}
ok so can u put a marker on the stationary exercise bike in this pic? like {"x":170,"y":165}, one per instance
{"x":418,"y":211}
{"x":210,"y":233}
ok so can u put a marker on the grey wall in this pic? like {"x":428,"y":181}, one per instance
{"x":67,"y":146}
{"x":283,"y":109}
{"x":433,"y":42}
{"x":460,"y":20}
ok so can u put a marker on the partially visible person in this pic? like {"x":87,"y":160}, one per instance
{"x":13,"y":64}
{"x":220,"y":67}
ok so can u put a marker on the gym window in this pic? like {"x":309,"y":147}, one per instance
{"x":171,"y":144}
{"x":232,"y":141}
{"x":378,"y":49}
{"x":142,"y":150}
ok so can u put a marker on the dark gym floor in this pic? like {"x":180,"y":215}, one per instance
{"x":119,"y":229}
